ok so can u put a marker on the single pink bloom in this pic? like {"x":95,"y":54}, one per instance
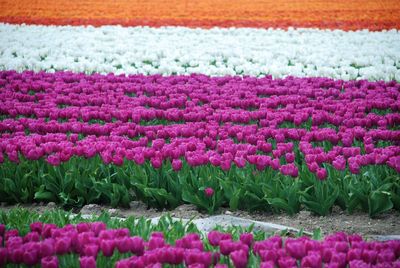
{"x":209,"y":192}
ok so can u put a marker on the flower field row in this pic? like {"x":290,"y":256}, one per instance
{"x":347,"y":15}
{"x":62,"y":241}
{"x":169,"y":138}
{"x":216,"y":52}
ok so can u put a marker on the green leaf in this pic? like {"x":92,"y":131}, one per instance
{"x":280,"y":204}
{"x":161,"y":196}
{"x":194,"y":199}
{"x":317,"y":234}
{"x":44,"y":195}
{"x":234,"y":201}
{"x":378,"y":202}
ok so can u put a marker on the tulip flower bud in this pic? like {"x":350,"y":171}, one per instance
{"x":239,"y":258}
{"x":209,"y":192}
{"x":36,"y":227}
{"x":47,"y":247}
{"x":287,"y":262}
{"x":87,"y":262}
{"x":30,"y":257}
{"x":49,"y":262}
{"x":312,"y":261}
{"x":296,"y":249}
{"x":91,"y":250}
{"x":62,"y":245}
{"x":107,"y":247}
{"x":176,"y":164}
{"x":247,"y":238}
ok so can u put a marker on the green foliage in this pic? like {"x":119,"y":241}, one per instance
{"x":283,"y":194}
{"x":319,"y":197}
{"x":82,"y":181}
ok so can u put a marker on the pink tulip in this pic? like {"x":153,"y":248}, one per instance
{"x":156,"y":242}
{"x":176,"y":164}
{"x":62,"y":245}
{"x":36,"y":227}
{"x":46,"y":231}
{"x":247,"y":238}
{"x":91,"y":250}
{"x":49,"y":262}
{"x":287,"y":262}
{"x":214,"y":237}
{"x":87,"y":262}
{"x":3,"y":256}
{"x":296,"y":249}
{"x":239,"y":258}
{"x":312,"y":261}
{"x":369,"y":256}
{"x":10,"y":233}
{"x":30,"y":257}
{"x":209,"y":192}
{"x":322,"y":174}
{"x":107,"y":247}
{"x":83,"y":227}
{"x":97,"y":227}
{"x":267,"y":264}
{"x":47,"y":247}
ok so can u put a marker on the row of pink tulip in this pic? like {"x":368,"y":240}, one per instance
{"x":198,"y":98}
{"x":90,"y":240}
{"x":59,"y":148}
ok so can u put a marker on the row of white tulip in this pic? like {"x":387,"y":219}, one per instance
{"x":216,"y":52}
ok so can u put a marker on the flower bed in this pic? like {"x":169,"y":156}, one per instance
{"x":64,"y":241}
{"x":169,"y":138}
{"x":97,"y":246}
{"x":216,"y":52}
{"x":349,"y":15}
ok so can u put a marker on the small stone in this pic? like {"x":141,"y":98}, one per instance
{"x":91,"y":209}
{"x":228,"y":212}
{"x":137,"y":205}
{"x":114,"y":211}
{"x":51,"y":205}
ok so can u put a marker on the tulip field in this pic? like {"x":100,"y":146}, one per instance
{"x":258,"y":143}
{"x":258,"y":106}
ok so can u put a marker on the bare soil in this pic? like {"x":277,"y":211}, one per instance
{"x":359,"y":222}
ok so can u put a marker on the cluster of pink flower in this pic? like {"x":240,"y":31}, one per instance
{"x":200,"y":119}
{"x":45,"y":242}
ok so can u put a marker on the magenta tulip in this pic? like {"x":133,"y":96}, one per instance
{"x":49,"y":262}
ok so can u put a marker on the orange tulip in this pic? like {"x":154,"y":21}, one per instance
{"x":339,"y":14}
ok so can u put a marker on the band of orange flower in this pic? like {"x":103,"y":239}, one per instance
{"x":341,"y":14}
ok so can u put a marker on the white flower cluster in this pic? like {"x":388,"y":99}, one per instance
{"x":216,"y":52}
